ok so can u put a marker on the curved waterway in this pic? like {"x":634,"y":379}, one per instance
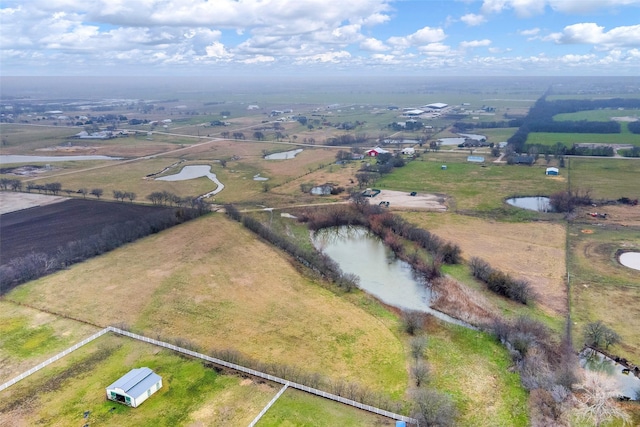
{"x":193,"y":172}
{"x":389,"y":279}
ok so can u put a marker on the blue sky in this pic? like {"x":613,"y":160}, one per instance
{"x":286,"y":37}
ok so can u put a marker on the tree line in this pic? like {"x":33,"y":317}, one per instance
{"x":37,"y":264}
{"x":540,"y":118}
{"x":501,"y":283}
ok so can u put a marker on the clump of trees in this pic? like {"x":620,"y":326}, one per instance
{"x":598,"y":335}
{"x":13,"y":184}
{"x":501,"y":283}
{"x":568,"y":200}
{"x":547,"y":368}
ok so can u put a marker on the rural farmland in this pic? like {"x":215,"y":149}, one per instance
{"x":201,"y":232}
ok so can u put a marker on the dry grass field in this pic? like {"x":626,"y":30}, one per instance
{"x":225,"y":289}
{"x":601,"y":288}
{"x":533,"y":251}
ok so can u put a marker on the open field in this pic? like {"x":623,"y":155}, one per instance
{"x":601,"y":288}
{"x":568,"y":139}
{"x":227,"y":290}
{"x":536,"y":253}
{"x":471,"y":186}
{"x":191,"y":394}
{"x":608,"y":179}
{"x":28,"y":337}
{"x":44,"y":229}
{"x":14,"y":201}
{"x":596,"y":115}
{"x":474,"y":369}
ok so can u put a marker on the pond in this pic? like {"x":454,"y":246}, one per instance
{"x":12,"y":158}
{"x":451,"y":141}
{"x":630,"y":259}
{"x":474,"y":136}
{"x":626,"y":384}
{"x":360,"y":252}
{"x":193,"y":172}
{"x":538,"y":204}
{"x":284,"y":155}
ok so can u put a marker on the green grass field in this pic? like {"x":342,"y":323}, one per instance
{"x":607,"y":179}
{"x":469,"y":185}
{"x":596,"y":115}
{"x":191,"y":394}
{"x":568,"y":139}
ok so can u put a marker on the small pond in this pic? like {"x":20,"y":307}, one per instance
{"x":11,"y":158}
{"x":285,"y":155}
{"x":538,"y":204}
{"x":360,"y":252}
{"x":451,"y":141}
{"x":193,"y":172}
{"x":473,"y":136}
{"x":630,"y":259}
{"x":260,"y":178}
{"x":627,"y":384}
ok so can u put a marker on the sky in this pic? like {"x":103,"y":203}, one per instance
{"x":319,"y":37}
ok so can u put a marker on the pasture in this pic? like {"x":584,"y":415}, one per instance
{"x":608,"y":179}
{"x":191,"y":394}
{"x":568,"y":139}
{"x":471,"y":186}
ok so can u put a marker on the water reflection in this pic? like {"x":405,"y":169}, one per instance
{"x":538,"y":204}
{"x":627,"y":383}
{"x":391,"y":280}
{"x":285,"y":155}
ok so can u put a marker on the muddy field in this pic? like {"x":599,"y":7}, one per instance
{"x":44,"y":228}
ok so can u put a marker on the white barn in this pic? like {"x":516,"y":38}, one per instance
{"x":134,"y":387}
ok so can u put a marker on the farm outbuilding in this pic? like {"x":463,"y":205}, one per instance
{"x":375,"y":152}
{"x":552,"y":171}
{"x":134,"y":387}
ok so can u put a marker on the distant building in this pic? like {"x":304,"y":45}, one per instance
{"x":134,"y":387}
{"x":409,"y":151}
{"x":437,"y":106}
{"x":375,"y":152}
{"x":475,"y":159}
{"x":552,"y":171}
{"x":253,"y":107}
{"x":523,"y":159}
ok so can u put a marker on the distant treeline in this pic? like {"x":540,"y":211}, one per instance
{"x":540,"y":118}
{"x":38,"y":264}
{"x":634,"y":127}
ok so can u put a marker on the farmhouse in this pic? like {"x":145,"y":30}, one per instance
{"x":134,"y":387}
{"x":375,"y":152}
{"x":552,"y":171}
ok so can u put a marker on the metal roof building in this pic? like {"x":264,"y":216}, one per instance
{"x":134,"y":387}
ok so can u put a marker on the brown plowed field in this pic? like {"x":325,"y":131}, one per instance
{"x":45,"y":228}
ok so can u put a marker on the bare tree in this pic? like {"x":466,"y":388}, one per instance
{"x":420,"y":372}
{"x":418,"y":345}
{"x":597,"y":334}
{"x":83,"y":191}
{"x":433,"y":408}
{"x":596,"y":399}
{"x":96,"y":192}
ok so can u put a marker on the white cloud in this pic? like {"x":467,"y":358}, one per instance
{"x":472,"y":19}
{"x":217,"y":50}
{"x":591,"y":33}
{"x":529,"y":33}
{"x":259,"y":59}
{"x":421,"y":37}
{"x":333,"y":57}
{"x":529,"y":8}
{"x":475,"y":43}
{"x":373,"y":45}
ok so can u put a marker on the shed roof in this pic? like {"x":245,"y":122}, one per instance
{"x":552,"y":169}
{"x":136,"y":382}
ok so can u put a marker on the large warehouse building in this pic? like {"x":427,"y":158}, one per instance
{"x":135,"y":387}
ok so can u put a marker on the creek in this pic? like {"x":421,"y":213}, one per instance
{"x":195,"y":171}
{"x":389,"y":279}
